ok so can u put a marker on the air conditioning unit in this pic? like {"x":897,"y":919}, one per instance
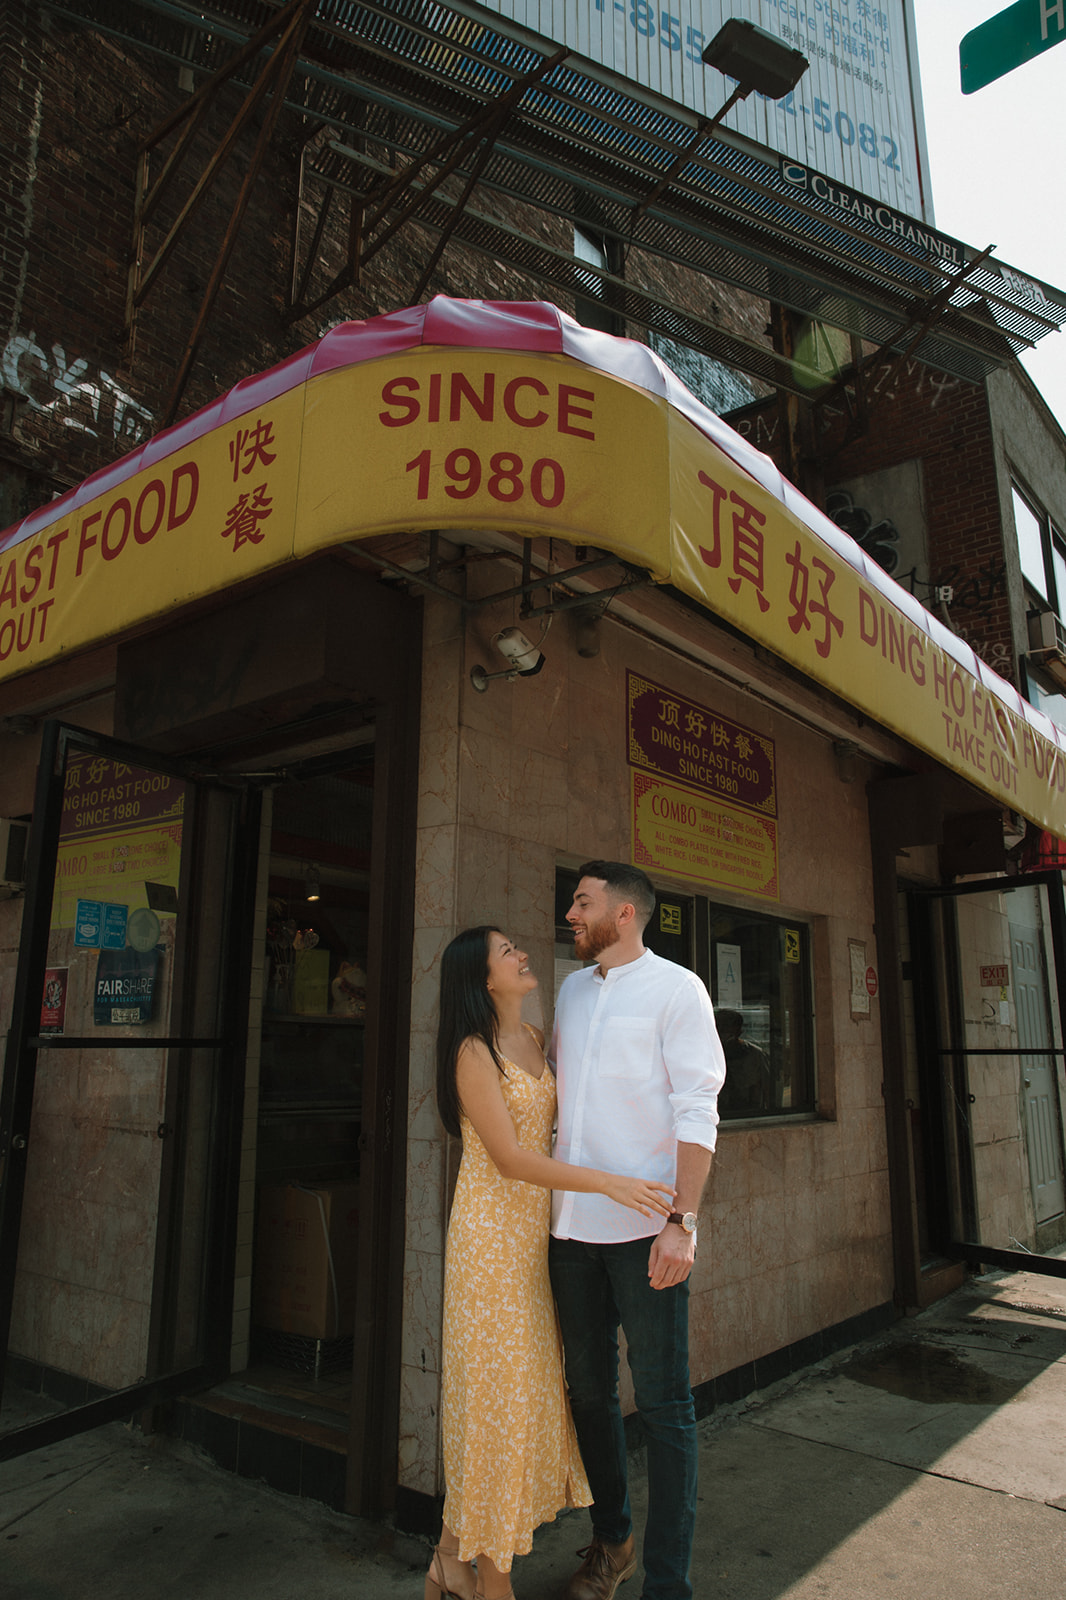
{"x":13,"y":840}
{"x":1047,"y":644}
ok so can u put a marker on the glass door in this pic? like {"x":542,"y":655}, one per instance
{"x":988,"y":970}
{"x":122,"y":1089}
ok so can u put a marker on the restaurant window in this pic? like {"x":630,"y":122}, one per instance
{"x":1042,"y":556}
{"x":593,"y":307}
{"x":1041,"y":552}
{"x":757,"y":969}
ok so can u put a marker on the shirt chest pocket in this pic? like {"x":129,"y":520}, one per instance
{"x":627,"y":1049}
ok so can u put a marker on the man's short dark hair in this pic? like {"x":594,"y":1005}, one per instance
{"x":624,"y":883}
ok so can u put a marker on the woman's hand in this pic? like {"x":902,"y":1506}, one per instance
{"x":640,"y":1194}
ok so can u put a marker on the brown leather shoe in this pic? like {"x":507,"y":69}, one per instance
{"x":605,"y":1566}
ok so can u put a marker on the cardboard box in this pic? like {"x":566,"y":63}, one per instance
{"x":300,"y":1232}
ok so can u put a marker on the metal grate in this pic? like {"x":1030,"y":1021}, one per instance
{"x":295,"y":1352}
{"x":425,"y":68}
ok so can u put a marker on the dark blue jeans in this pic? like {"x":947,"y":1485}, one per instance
{"x":598,"y":1286}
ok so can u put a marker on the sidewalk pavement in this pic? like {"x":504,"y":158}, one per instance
{"x":926,"y":1464}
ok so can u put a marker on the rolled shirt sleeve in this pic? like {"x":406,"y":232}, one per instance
{"x":695,"y":1065}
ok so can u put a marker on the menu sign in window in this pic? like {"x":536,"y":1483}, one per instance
{"x":119,"y":847}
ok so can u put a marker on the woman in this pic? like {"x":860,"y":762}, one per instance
{"x":510,"y":1455}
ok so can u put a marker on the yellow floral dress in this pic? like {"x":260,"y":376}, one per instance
{"x":511,"y":1459}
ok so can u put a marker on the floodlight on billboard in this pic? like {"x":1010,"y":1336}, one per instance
{"x":855,"y":115}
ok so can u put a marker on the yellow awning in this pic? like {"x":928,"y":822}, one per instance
{"x":474,"y":415}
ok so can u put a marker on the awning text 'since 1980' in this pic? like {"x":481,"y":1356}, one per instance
{"x":511,"y":417}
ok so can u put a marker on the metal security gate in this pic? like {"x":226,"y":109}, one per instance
{"x":988,"y":966}
{"x":122,"y":1089}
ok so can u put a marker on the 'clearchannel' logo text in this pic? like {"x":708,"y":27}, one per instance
{"x":872,"y":211}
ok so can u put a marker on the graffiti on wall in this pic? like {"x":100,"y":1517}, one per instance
{"x":877,"y":536}
{"x":884,"y":512}
{"x":887,"y":383}
{"x":83,"y":398}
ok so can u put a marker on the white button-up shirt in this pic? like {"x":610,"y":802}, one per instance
{"x":639,"y":1066}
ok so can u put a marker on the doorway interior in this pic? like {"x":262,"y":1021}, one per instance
{"x":987,"y":964}
{"x":298,"y":1260}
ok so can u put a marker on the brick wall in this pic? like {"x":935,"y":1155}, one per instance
{"x":75,"y":106}
{"x":917,"y":414}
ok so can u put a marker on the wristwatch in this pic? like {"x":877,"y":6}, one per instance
{"x":687,"y":1220}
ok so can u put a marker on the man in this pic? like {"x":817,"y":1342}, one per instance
{"x":639,"y":1066}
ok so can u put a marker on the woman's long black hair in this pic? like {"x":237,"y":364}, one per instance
{"x":466,"y":1012}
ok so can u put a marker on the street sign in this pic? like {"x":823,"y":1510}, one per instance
{"x":1009,"y":39}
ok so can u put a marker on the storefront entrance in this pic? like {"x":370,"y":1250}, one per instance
{"x":216,"y":1048}
{"x":290,"y":1399}
{"x":122,"y":1088}
{"x":987,"y":966}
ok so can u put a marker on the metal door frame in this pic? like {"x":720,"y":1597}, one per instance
{"x":24,"y":1042}
{"x":933,"y":1056}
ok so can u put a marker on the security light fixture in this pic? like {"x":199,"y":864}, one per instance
{"x":755,"y":59}
{"x":847,"y":755}
{"x":525,"y":659}
{"x":759,"y":62}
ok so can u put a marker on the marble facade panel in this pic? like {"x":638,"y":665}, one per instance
{"x":725,"y":1240}
{"x":423,"y":1296}
{"x":771,"y":1239}
{"x":723,"y":1330}
{"x":540,"y":707}
{"x":419,"y":1442}
{"x":863,"y":1131}
{"x":597,"y":804}
{"x":435,"y":874}
{"x":438,"y":770}
{"x":442,"y":621}
{"x":832,"y":1224}
{"x":769,"y":1311}
{"x":801,"y":1158}
{"x":531,"y":893}
{"x":423,"y":1122}
{"x":80,"y":1331}
{"x":730,"y":1172}
{"x":485,"y":781}
{"x":766,"y":1160}
{"x":538,"y":797}
{"x":482,"y":878}
{"x":425,"y":1196}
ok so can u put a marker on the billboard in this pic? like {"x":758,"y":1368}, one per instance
{"x":855,"y":115}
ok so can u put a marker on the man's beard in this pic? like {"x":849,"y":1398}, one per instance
{"x":598,"y":937}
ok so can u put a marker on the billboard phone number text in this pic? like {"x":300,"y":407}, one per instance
{"x":672,"y":34}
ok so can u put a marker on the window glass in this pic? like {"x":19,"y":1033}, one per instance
{"x":592,"y":303}
{"x":760,"y":985}
{"x":590,"y":250}
{"x":1046,"y":698}
{"x":1030,"y":543}
{"x":1058,"y":568}
{"x":757,"y":971}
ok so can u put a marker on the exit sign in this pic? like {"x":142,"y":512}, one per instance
{"x":1009,"y":39}
{"x":994,"y":977}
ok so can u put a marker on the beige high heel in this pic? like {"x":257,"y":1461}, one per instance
{"x":439,"y":1586}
